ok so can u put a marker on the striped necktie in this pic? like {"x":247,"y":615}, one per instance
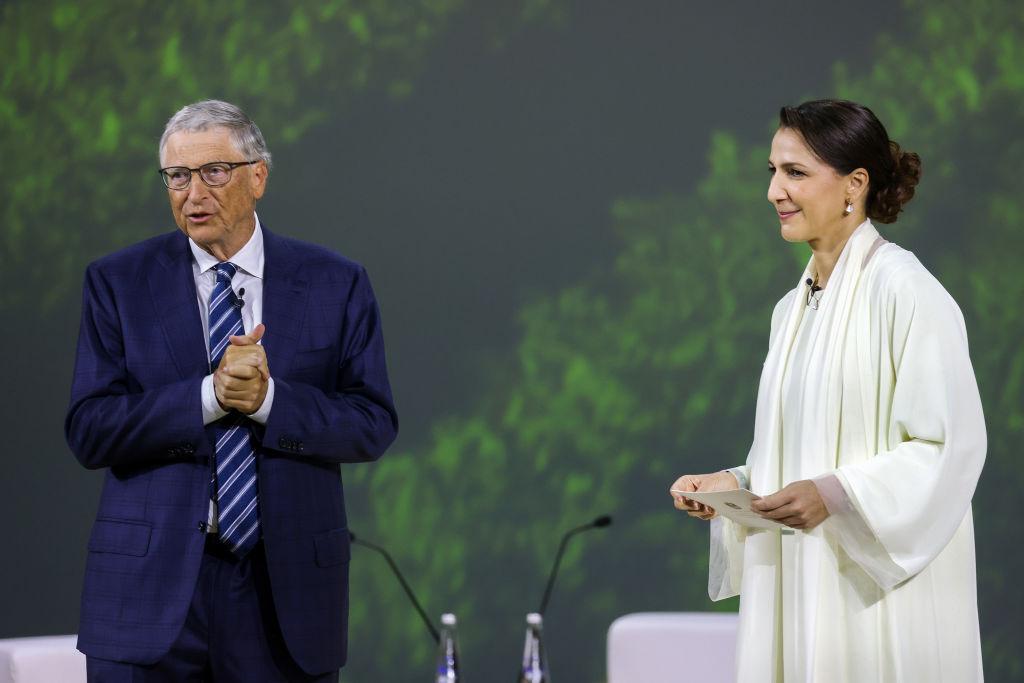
{"x":238,"y":518}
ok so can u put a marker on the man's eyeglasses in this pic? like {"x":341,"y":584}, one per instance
{"x":214,"y":174}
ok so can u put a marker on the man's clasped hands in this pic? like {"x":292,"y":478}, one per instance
{"x":241,"y":380}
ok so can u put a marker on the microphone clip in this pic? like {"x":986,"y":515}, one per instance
{"x":813,"y":293}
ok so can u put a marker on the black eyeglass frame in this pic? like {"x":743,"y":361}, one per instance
{"x":232,"y":165}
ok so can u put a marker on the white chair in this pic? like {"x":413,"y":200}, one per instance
{"x":46,"y":659}
{"x":672,"y":647}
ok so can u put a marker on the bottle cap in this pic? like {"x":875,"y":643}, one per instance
{"x":448,"y":619}
{"x":534,"y":619}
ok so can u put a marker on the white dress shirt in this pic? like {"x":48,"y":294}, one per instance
{"x":248,"y":286}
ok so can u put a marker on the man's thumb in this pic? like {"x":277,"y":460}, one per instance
{"x":251,"y":338}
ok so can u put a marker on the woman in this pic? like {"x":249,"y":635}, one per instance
{"x":868,"y":441}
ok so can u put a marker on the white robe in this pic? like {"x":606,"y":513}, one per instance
{"x":884,"y":590}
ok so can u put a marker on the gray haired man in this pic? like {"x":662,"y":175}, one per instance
{"x":223,"y":374}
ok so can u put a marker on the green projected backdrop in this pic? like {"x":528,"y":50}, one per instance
{"x":573,"y":252}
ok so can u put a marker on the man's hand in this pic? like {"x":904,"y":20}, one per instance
{"x":798,"y":505}
{"x":240,"y":381}
{"x":246,"y":350}
{"x":715,"y":481}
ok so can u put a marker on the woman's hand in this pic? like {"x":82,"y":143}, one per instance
{"x":714,"y":481}
{"x":798,"y":505}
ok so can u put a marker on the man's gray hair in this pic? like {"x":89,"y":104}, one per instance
{"x":207,"y":114}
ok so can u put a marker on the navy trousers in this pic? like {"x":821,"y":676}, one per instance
{"x":231,"y":634}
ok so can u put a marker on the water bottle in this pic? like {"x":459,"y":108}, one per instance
{"x":447,"y":653}
{"x":535,"y":664}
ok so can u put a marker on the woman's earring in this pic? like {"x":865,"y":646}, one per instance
{"x":849,"y":207}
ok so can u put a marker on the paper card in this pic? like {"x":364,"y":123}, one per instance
{"x":734,"y":504}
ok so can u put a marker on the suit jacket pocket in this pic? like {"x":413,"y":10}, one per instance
{"x":121,"y":537}
{"x":332,"y":547}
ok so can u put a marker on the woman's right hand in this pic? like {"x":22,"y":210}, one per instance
{"x":714,"y":481}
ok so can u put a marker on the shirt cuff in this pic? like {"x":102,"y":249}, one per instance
{"x":741,"y":477}
{"x":211,"y":408}
{"x":263,"y":413}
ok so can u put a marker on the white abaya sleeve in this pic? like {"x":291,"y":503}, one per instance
{"x":725,"y":557}
{"x":904,"y":504}
{"x":725,"y":560}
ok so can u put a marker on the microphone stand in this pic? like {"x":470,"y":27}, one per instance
{"x":401,"y":580}
{"x":600,"y":522}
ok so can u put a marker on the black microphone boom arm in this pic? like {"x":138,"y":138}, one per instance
{"x":599,"y":523}
{"x":401,"y":580}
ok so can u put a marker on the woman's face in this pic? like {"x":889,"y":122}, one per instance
{"x":809,"y":195}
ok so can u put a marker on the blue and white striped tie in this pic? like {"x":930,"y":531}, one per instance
{"x":238,"y":517}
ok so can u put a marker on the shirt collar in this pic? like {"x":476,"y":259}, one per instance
{"x":249,"y":258}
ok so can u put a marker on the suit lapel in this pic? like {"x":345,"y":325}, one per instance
{"x":172,"y":288}
{"x":284,"y":302}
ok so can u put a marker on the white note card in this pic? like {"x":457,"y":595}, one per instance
{"x":734,"y":504}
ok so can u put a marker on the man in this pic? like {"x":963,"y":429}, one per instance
{"x":223,"y":373}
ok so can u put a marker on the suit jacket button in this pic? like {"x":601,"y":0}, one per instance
{"x":283,"y":443}
{"x":298,"y":447}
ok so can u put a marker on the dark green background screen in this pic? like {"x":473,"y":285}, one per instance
{"x":561,"y":204}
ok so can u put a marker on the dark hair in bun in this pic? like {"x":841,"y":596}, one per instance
{"x":847,"y":136}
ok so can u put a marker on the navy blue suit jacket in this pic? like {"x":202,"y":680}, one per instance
{"x":135,"y":411}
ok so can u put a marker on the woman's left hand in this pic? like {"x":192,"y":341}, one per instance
{"x":798,"y":505}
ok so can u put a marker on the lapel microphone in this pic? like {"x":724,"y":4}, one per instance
{"x":813,"y":289}
{"x":239,"y":301}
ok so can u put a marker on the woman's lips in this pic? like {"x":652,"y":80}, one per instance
{"x":783,"y":215}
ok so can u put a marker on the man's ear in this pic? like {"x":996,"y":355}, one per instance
{"x":258,"y":179}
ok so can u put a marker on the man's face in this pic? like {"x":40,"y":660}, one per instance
{"x":218,"y":219}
